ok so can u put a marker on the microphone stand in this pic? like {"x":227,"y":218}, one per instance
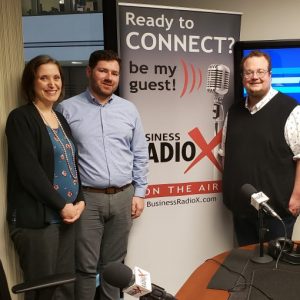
{"x":262,"y":258}
{"x":218,"y":111}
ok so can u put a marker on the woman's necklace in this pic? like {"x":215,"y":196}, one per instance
{"x":73,"y":174}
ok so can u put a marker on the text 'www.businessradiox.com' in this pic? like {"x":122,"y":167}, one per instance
{"x":182,"y":201}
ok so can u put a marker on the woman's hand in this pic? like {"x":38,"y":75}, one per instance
{"x":71,"y":212}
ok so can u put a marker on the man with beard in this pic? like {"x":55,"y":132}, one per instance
{"x":113,"y":163}
{"x":261,"y":147}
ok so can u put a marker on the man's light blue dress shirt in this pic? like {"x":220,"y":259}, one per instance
{"x":111,"y":143}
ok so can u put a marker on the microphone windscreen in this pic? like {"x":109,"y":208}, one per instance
{"x":118,"y":275}
{"x":247,"y":190}
{"x":218,"y":79}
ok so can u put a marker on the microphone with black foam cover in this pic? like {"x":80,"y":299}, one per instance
{"x":218,"y":83}
{"x":258,"y":200}
{"x":136,"y":282}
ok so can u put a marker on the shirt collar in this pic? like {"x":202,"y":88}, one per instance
{"x":93,"y":100}
{"x":266,"y":99}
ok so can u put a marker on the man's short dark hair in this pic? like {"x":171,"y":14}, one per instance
{"x":106,"y":55}
{"x":256,"y":53}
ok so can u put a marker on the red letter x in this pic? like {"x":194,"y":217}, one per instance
{"x":198,"y":138}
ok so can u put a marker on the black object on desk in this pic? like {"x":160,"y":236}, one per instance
{"x":248,"y":278}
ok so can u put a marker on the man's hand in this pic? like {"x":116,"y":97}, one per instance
{"x":137,"y":207}
{"x":294,"y":205}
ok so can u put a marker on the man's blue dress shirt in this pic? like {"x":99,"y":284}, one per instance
{"x":111,"y":143}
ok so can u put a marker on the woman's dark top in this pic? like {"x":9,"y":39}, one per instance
{"x":31,"y":198}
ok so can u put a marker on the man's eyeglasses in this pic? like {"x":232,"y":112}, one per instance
{"x":259,"y":73}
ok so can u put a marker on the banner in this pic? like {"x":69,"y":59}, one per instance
{"x":178,"y":69}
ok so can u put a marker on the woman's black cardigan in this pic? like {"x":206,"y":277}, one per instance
{"x":31,"y":198}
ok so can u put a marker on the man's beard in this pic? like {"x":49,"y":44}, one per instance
{"x":100,"y":92}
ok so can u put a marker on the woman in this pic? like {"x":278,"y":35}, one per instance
{"x":44,"y":195}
